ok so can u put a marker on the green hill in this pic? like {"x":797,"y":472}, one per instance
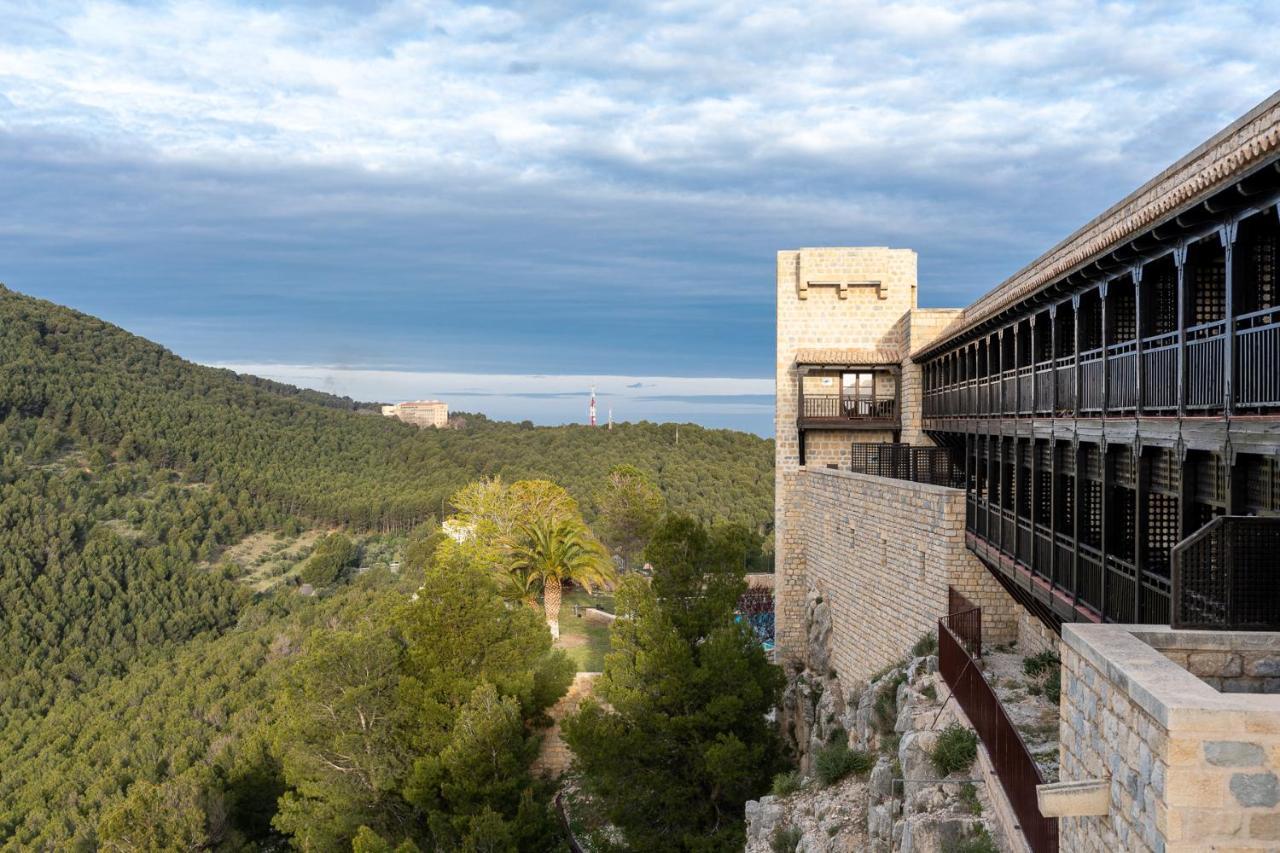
{"x":125,"y":475}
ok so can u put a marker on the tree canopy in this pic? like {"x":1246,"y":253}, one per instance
{"x":680,"y":739}
{"x":140,"y":677}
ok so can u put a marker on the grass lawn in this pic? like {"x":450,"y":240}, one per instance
{"x":585,"y":639}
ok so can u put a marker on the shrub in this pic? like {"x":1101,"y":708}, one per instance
{"x":786,"y":839}
{"x":332,"y":554}
{"x":977,"y":841}
{"x":1043,"y":662}
{"x":889,"y":744}
{"x":836,"y":760}
{"x":1053,"y":686}
{"x":785,"y":784}
{"x":926,"y":645}
{"x":955,"y":750}
{"x":969,"y":799}
{"x":885,"y":710}
{"x":929,"y":692}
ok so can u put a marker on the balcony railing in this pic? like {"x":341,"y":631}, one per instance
{"x":1092,"y":366}
{"x":1160,"y":372}
{"x":1205,"y":344}
{"x":1124,"y":377}
{"x":1014,"y":765}
{"x":837,"y":407}
{"x":1257,"y":354}
{"x":1065,"y":370}
{"x":1044,"y":388}
{"x":932,"y":465}
{"x":1224,"y":576}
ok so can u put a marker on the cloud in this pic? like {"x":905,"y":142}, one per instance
{"x":560,"y":188}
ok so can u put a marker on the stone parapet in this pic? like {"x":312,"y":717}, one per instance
{"x":1190,"y":767}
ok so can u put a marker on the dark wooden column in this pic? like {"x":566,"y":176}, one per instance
{"x":970,"y":490}
{"x":1137,"y":326}
{"x":1104,"y":510}
{"x":1141,"y":512}
{"x":1033,"y":477}
{"x":1031,"y":346}
{"x":1105,"y":337}
{"x":1053,"y":359}
{"x":1227,"y":233}
{"x":1075,"y":371}
{"x":1017,"y":383}
{"x":988,"y":460}
{"x":1180,"y":261}
{"x":1055,"y":500}
{"x":999,"y":384}
{"x":1077,"y":450}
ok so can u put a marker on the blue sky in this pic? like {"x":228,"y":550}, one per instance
{"x":430,"y":197}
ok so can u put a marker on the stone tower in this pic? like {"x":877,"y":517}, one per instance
{"x":843,"y":317}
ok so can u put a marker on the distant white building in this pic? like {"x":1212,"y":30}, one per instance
{"x":423,"y":413}
{"x":456,"y":530}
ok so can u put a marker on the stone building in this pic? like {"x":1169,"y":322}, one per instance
{"x":423,"y":413}
{"x":1091,"y":454}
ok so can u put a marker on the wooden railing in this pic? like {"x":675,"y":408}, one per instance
{"x":839,"y":407}
{"x":1160,"y":372}
{"x":1122,"y":376}
{"x":964,"y":618}
{"x":932,"y":465}
{"x":1257,"y":357}
{"x":1092,"y":366}
{"x":1132,"y":375}
{"x":1224,"y":575}
{"x":1205,"y":344}
{"x":1015,"y":767}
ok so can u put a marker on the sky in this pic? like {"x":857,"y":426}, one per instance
{"x":507,"y":203}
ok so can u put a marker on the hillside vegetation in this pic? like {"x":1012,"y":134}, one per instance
{"x":130,"y":650}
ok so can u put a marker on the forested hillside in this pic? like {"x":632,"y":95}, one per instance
{"x":128,"y":651}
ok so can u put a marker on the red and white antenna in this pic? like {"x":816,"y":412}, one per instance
{"x":591,"y":409}
{"x":610,"y":418}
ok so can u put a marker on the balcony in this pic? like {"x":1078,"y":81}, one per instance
{"x":848,"y":397}
{"x":836,"y":410}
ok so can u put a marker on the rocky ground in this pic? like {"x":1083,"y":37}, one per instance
{"x":1031,"y":711}
{"x":901,"y":804}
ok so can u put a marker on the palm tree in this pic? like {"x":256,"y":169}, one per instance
{"x":520,"y":586}
{"x":554,"y":552}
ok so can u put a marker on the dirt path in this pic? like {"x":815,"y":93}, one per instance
{"x":554,"y":756}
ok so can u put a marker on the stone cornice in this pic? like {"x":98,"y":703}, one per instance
{"x":1235,"y":150}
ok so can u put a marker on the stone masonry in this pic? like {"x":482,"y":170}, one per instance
{"x":1190,"y":767}
{"x":859,"y":316}
{"x":883,"y":552}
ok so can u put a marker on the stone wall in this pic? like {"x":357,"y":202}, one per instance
{"x":883,"y":552}
{"x":1190,"y":768}
{"x":865,"y":318}
{"x":917,"y":329}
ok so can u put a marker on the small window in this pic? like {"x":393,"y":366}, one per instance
{"x":866,"y":393}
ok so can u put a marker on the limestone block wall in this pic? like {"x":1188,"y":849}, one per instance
{"x":1190,"y":767}
{"x":883,"y":553}
{"x":810,"y":315}
{"x":919,"y":328}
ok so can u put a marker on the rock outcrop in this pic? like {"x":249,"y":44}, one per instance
{"x":902,"y":804}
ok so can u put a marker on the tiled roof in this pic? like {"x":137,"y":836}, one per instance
{"x":848,"y":356}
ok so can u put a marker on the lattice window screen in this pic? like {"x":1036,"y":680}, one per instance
{"x":1162,"y":532}
{"x":1209,"y":288}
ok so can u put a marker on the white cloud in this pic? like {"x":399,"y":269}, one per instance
{"x":425,"y":86}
